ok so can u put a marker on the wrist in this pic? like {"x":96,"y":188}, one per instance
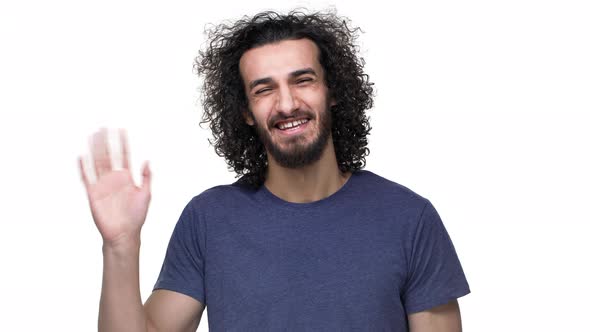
{"x":122,"y":243}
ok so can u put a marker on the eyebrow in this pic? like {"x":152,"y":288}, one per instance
{"x":296,"y":73}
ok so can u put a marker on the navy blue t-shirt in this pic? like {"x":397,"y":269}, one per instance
{"x":361,"y":259}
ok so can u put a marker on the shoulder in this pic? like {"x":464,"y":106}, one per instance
{"x":387,"y":191}
{"x":384,"y":197}
{"x":222,"y":197}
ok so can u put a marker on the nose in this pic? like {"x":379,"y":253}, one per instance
{"x":287,"y":102}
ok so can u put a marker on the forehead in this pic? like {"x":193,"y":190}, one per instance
{"x":279,"y":59}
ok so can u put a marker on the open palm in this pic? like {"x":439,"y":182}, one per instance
{"x":118,"y":206}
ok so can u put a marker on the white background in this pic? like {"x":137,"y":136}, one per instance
{"x":482,"y":107}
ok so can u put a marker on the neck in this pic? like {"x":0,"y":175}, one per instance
{"x":306,"y":184}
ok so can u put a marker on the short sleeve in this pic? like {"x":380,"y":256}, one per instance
{"x":435,"y":275}
{"x":183,"y":270}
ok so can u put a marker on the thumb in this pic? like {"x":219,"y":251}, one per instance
{"x":146,"y":177}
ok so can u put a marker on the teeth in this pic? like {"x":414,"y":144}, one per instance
{"x":292,"y":124}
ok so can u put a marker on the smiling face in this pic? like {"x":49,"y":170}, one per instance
{"x":288,"y":100}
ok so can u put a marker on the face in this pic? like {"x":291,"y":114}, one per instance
{"x":288,"y":100}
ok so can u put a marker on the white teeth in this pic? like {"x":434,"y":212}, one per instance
{"x":288,"y":125}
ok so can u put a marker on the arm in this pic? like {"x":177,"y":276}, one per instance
{"x":443,"y":318}
{"x":119,"y":209}
{"x":435,"y":278}
{"x":170,"y":311}
{"x":120,"y":303}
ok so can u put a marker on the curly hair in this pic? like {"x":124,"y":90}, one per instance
{"x":224,"y":98}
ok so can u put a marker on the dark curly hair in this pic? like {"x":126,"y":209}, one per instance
{"x":224,"y":99}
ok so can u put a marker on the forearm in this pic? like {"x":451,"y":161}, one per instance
{"x":443,"y":318}
{"x":121,"y":308}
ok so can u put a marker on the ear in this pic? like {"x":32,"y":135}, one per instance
{"x":248,"y":117}
{"x":332,"y":102}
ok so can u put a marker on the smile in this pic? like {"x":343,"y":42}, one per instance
{"x":292,"y":124}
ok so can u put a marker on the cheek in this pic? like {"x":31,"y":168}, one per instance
{"x":260,"y":114}
{"x":316,"y":96}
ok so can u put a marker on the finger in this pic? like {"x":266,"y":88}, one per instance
{"x":83,"y":174}
{"x":100,"y":152}
{"x":124,"y":148}
{"x":146,"y":177}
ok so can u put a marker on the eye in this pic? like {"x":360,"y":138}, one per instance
{"x":303,"y":80}
{"x":261,"y":91}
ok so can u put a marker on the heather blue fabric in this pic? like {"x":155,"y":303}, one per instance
{"x":361,"y":259}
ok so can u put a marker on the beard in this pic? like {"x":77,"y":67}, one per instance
{"x":297,"y":152}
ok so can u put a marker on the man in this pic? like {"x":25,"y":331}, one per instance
{"x":305,"y":240}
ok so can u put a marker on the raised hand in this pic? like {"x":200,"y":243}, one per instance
{"x":118,"y":206}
